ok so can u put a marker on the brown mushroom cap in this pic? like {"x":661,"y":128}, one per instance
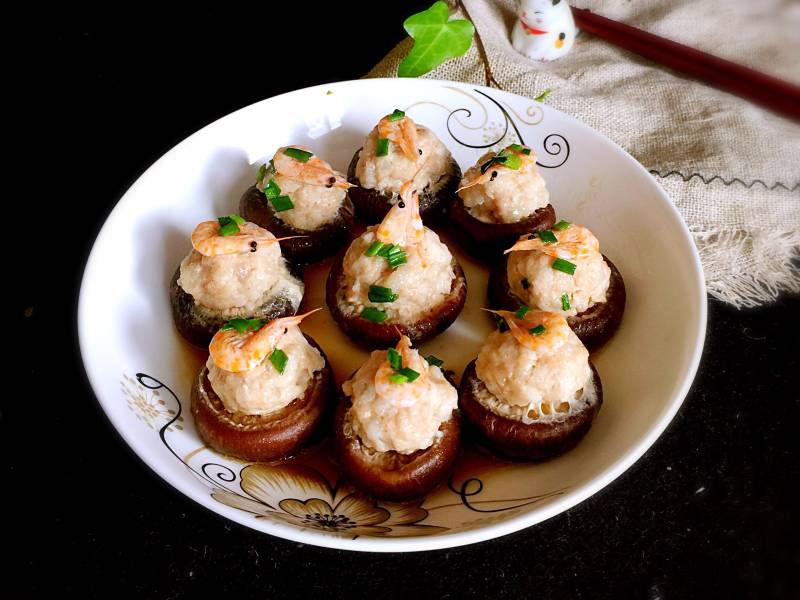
{"x":594,"y":326}
{"x":514,"y":439}
{"x":314,"y":245}
{"x":372,"y":205}
{"x":487,"y":241}
{"x":380,"y":335}
{"x":391,"y":475}
{"x":263,"y":437}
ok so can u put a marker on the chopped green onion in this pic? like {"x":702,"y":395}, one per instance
{"x":547,"y":237}
{"x":561,"y":225}
{"x":282,"y":203}
{"x":375,"y":315}
{"x":397,"y":260}
{"x":374,"y":248}
{"x":501,"y":324}
{"x":434,"y":361}
{"x":262,"y":172}
{"x":398,"y":378}
{"x":382,"y":147}
{"x":243,"y":325}
{"x":395,"y":360}
{"x":409,"y":373}
{"x":495,"y":160}
{"x":298,"y":154}
{"x":272,"y":190}
{"x":520,"y":148}
{"x":525,"y":283}
{"x":565,"y":305}
{"x":538,"y":330}
{"x":378,"y":293}
{"x":513,"y":161}
{"x":278,"y":359}
{"x":541,"y":97}
{"x":230,"y":225}
{"x":564,"y":266}
{"x":521,"y":312}
{"x":396,"y":115}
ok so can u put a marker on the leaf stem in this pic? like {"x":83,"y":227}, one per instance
{"x":487,"y":69}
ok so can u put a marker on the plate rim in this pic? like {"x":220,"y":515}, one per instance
{"x":418,"y":543}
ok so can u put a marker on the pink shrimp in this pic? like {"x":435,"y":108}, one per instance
{"x":573,"y":243}
{"x":478,"y":178}
{"x":207,"y":241}
{"x":235,"y":351}
{"x":553,"y":329}
{"x":402,"y":225}
{"x":402,"y":132}
{"x":410,"y":359}
{"x":314,"y":171}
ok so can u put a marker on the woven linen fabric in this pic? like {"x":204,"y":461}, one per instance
{"x":730,"y":167}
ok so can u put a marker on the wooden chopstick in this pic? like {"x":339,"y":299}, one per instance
{"x":770,"y":92}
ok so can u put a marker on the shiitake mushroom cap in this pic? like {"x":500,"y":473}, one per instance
{"x":372,"y":205}
{"x":594,"y":326}
{"x":314,"y":245}
{"x":263,"y":437}
{"x":487,"y":241}
{"x":392,"y":475}
{"x":198,"y":324}
{"x":380,"y":335}
{"x":514,"y":439}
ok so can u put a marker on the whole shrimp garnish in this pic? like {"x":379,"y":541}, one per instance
{"x":402,"y":132}
{"x":539,"y":331}
{"x":402,"y":225}
{"x":236,"y":351}
{"x":314,"y":171}
{"x":572,"y":243}
{"x":477,"y":177}
{"x":208,"y":242}
{"x":410,"y":359}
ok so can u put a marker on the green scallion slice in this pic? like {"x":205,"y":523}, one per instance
{"x":547,"y":237}
{"x":397,"y":259}
{"x":512,"y":162}
{"x":394,"y":358}
{"x":564,"y":266}
{"x":230,"y":225}
{"x":378,"y":293}
{"x":298,"y":154}
{"x":382,"y":147}
{"x":521,"y":312}
{"x":262,"y":172}
{"x":409,"y":373}
{"x":396,"y":115}
{"x":282,"y":203}
{"x":398,"y":378}
{"x":565,"y":305}
{"x":538,"y":330}
{"x":243,"y":325}
{"x":495,"y":160}
{"x":433,"y":360}
{"x":374,"y":249}
{"x":278,"y":359}
{"x":525,"y":283}
{"x":374,"y":315}
{"x":561,"y":225}
{"x":272,"y":190}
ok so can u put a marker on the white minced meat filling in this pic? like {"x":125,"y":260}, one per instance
{"x":238,"y":283}
{"x":403,"y":417}
{"x":511,"y":197}
{"x":421,"y":283}
{"x":546,"y":285}
{"x":389,"y":173}
{"x":263,"y":390}
{"x":529,"y":385}
{"x":314,"y":205}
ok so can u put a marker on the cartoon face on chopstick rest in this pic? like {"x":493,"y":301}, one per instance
{"x":545,"y":29}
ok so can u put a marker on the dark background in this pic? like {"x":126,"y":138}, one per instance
{"x":711,"y":508}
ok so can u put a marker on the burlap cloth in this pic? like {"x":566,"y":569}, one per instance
{"x":732,"y":169}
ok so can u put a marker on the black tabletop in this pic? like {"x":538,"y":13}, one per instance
{"x":710,"y":509}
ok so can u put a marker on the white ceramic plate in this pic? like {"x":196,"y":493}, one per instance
{"x":141,"y":370}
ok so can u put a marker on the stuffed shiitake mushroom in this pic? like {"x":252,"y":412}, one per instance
{"x":397,"y":424}
{"x":500,"y":198}
{"x":532,"y":392}
{"x":396,"y":151}
{"x":235,"y":270}
{"x":562,"y":270}
{"x":264,"y":390}
{"x":396,"y":278}
{"x":299,"y":197}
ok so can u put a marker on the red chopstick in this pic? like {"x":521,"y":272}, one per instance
{"x":770,"y":92}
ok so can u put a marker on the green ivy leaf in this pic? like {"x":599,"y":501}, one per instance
{"x":435,"y":39}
